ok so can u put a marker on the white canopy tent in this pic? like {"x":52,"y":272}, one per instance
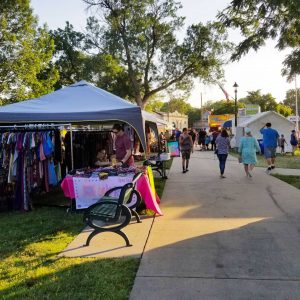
{"x":257,"y":121}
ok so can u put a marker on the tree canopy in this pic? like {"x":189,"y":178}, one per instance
{"x":144,"y":44}
{"x":260,"y":20}
{"x":266,"y":101}
{"x":290,"y":100}
{"x":284,"y":110}
{"x":25,"y":54}
{"x":222,"y":107}
{"x":176,"y":104}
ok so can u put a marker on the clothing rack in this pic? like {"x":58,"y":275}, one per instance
{"x":42,"y":127}
{"x":35,"y":126}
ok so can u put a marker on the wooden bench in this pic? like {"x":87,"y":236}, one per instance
{"x":111,"y":214}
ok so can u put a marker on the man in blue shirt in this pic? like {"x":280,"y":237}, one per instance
{"x":177,"y":134}
{"x":270,"y":141}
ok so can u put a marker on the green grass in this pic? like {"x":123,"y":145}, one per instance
{"x":160,"y":182}
{"x":159,"y":186}
{"x":290,"y":179}
{"x":169,"y":163}
{"x":30,"y":268}
{"x":282,"y":161}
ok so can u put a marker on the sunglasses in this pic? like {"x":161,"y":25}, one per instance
{"x":115,"y":131}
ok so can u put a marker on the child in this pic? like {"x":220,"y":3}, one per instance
{"x":281,"y":142}
{"x":102,"y":159}
{"x":207,"y":141}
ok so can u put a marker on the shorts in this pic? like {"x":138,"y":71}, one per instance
{"x":186,"y":154}
{"x":270,"y":152}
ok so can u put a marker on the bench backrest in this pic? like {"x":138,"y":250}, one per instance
{"x":109,"y":211}
{"x":127,"y":189}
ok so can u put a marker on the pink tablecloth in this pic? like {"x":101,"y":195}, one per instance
{"x":143,"y":186}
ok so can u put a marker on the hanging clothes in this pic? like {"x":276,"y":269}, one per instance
{"x":27,"y":165}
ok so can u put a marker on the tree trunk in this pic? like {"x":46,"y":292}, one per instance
{"x":139,"y":102}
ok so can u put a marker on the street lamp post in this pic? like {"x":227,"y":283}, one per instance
{"x":235,"y":103}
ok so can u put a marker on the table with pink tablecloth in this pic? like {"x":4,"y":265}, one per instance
{"x":89,"y":190}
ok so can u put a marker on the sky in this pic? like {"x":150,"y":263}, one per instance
{"x":259,"y":70}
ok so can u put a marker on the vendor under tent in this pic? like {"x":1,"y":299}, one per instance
{"x":78,"y":108}
{"x":80,"y":102}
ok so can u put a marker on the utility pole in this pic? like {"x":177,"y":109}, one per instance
{"x":201,"y":120}
{"x":297,"y":114}
{"x":235,"y":104}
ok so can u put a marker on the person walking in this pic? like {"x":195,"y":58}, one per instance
{"x":186,"y":147}
{"x":294,"y":142}
{"x":281,"y":142}
{"x":270,"y":139}
{"x":202,"y":135}
{"x":207,"y":142}
{"x":222,"y":148}
{"x":247,"y":150}
{"x":193,"y":135}
{"x":177,"y":134}
{"x":214,"y":136}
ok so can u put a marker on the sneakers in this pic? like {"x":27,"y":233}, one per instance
{"x":183,"y":171}
{"x":186,"y":170}
{"x":222,"y":176}
{"x":249,"y":174}
{"x":269,"y":170}
{"x":273,"y":167}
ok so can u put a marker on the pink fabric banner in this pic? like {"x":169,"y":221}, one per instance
{"x":87,"y":191}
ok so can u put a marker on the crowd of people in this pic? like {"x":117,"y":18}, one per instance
{"x":220,"y":141}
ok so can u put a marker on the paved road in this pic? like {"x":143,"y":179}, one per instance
{"x":232,"y":238}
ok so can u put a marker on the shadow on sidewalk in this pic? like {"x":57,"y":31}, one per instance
{"x":259,"y":260}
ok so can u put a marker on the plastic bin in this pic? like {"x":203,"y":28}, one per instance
{"x":261,"y":145}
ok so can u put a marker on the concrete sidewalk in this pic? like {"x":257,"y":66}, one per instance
{"x":282,"y":171}
{"x":232,"y":238}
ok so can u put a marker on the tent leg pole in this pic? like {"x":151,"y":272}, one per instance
{"x":71,"y":145}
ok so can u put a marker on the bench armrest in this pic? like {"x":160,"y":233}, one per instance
{"x":112,"y":190}
{"x":136,"y":177}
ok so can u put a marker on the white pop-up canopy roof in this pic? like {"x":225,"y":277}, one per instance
{"x":81,"y":102}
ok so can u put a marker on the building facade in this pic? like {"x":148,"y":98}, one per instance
{"x":176,"y":119}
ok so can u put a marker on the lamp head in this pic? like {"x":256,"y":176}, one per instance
{"x":235,"y":85}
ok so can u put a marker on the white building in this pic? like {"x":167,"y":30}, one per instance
{"x":178,"y":120}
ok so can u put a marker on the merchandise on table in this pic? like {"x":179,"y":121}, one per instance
{"x":87,"y":190}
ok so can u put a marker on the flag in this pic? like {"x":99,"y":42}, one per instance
{"x":223,"y":90}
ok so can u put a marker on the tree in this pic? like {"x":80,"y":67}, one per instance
{"x":284,"y":110}
{"x":25,"y":54}
{"x":260,"y":20}
{"x":140,"y":35}
{"x":194,"y":114}
{"x":266,"y":102}
{"x":290,"y":100}
{"x":154,"y":105}
{"x":69,"y":57}
{"x":74,"y":63}
{"x":176,"y":104}
{"x":222,"y":107}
